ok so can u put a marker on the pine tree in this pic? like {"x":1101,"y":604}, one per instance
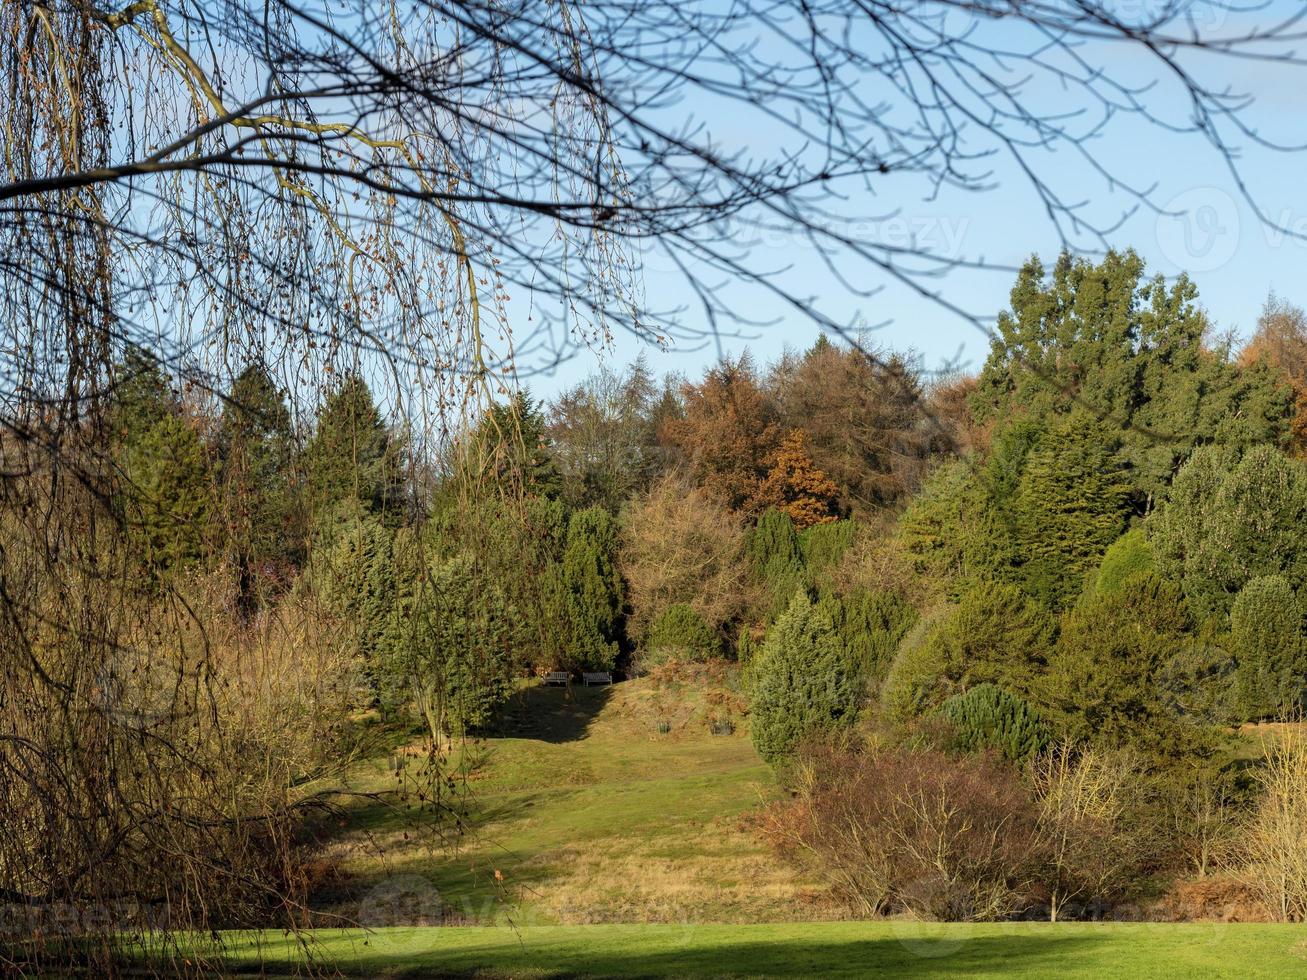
{"x":1130,"y":352}
{"x":996,"y":634}
{"x":988,"y":717}
{"x":1103,"y":678}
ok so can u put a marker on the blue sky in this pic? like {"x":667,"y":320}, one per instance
{"x":1234,"y":258}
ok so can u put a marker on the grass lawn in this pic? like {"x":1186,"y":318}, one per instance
{"x":589,"y":814}
{"x":829,"y":949}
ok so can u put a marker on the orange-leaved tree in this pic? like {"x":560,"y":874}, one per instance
{"x":795,"y":485}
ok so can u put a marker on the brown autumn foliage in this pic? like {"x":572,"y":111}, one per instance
{"x":948,"y":404}
{"x":864,"y":418}
{"x":727,"y":433}
{"x":681,"y":545}
{"x":796,"y":486}
{"x":1281,"y":340}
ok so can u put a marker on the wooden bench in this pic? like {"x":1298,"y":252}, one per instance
{"x":597,"y":677}
{"x":558,"y":677}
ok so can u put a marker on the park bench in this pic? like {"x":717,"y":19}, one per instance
{"x":557,"y":677}
{"x":597,"y":677}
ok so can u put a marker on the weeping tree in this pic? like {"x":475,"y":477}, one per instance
{"x":444,"y":198}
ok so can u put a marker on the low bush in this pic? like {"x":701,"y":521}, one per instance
{"x":680,"y":633}
{"x":921,"y":832}
{"x":1276,"y":837}
{"x":1094,"y":833}
{"x":988,"y":717}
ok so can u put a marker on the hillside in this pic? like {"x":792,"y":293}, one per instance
{"x":589,"y":814}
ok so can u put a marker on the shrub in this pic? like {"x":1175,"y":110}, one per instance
{"x":1129,"y":555}
{"x":939,"y":837}
{"x":778,"y":560}
{"x":1276,"y":838}
{"x":681,"y":634}
{"x":1091,"y":832}
{"x":871,"y":626}
{"x":679,"y":546}
{"x":1267,"y":637}
{"x":988,"y":717}
{"x":824,"y":545}
{"x":803,"y":680}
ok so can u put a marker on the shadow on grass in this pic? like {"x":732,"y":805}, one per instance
{"x":552,"y":714}
{"x":905,"y":955}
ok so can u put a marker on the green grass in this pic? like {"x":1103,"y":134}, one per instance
{"x":588,"y":815}
{"x":831,"y":949}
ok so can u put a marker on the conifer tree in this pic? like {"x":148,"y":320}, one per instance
{"x":1231,"y":518}
{"x":592,"y":588}
{"x":988,"y":717}
{"x":804,"y":684}
{"x":1266,"y":632}
{"x":778,"y":559}
{"x":354,"y":462}
{"x":794,"y":485}
{"x":1072,"y":503}
{"x":255,"y":445}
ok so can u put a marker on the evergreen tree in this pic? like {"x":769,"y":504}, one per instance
{"x":510,"y":451}
{"x":593,"y":589}
{"x":1072,"y":503}
{"x":1266,"y":632}
{"x":995,"y":634}
{"x":823,"y":545}
{"x":255,"y":445}
{"x":1128,"y":555}
{"x":1131,"y":353}
{"x":1230,"y":519}
{"x":988,"y":717}
{"x":870,"y":626}
{"x":1104,"y":678}
{"x":778,"y":559}
{"x":168,"y":498}
{"x":355,"y":574}
{"x":354,"y":462}
{"x":803,"y":681}
{"x":681,"y":634}
{"x":449,"y":641}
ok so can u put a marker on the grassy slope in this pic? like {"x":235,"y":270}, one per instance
{"x":831,"y":949}
{"x":590,"y":816}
